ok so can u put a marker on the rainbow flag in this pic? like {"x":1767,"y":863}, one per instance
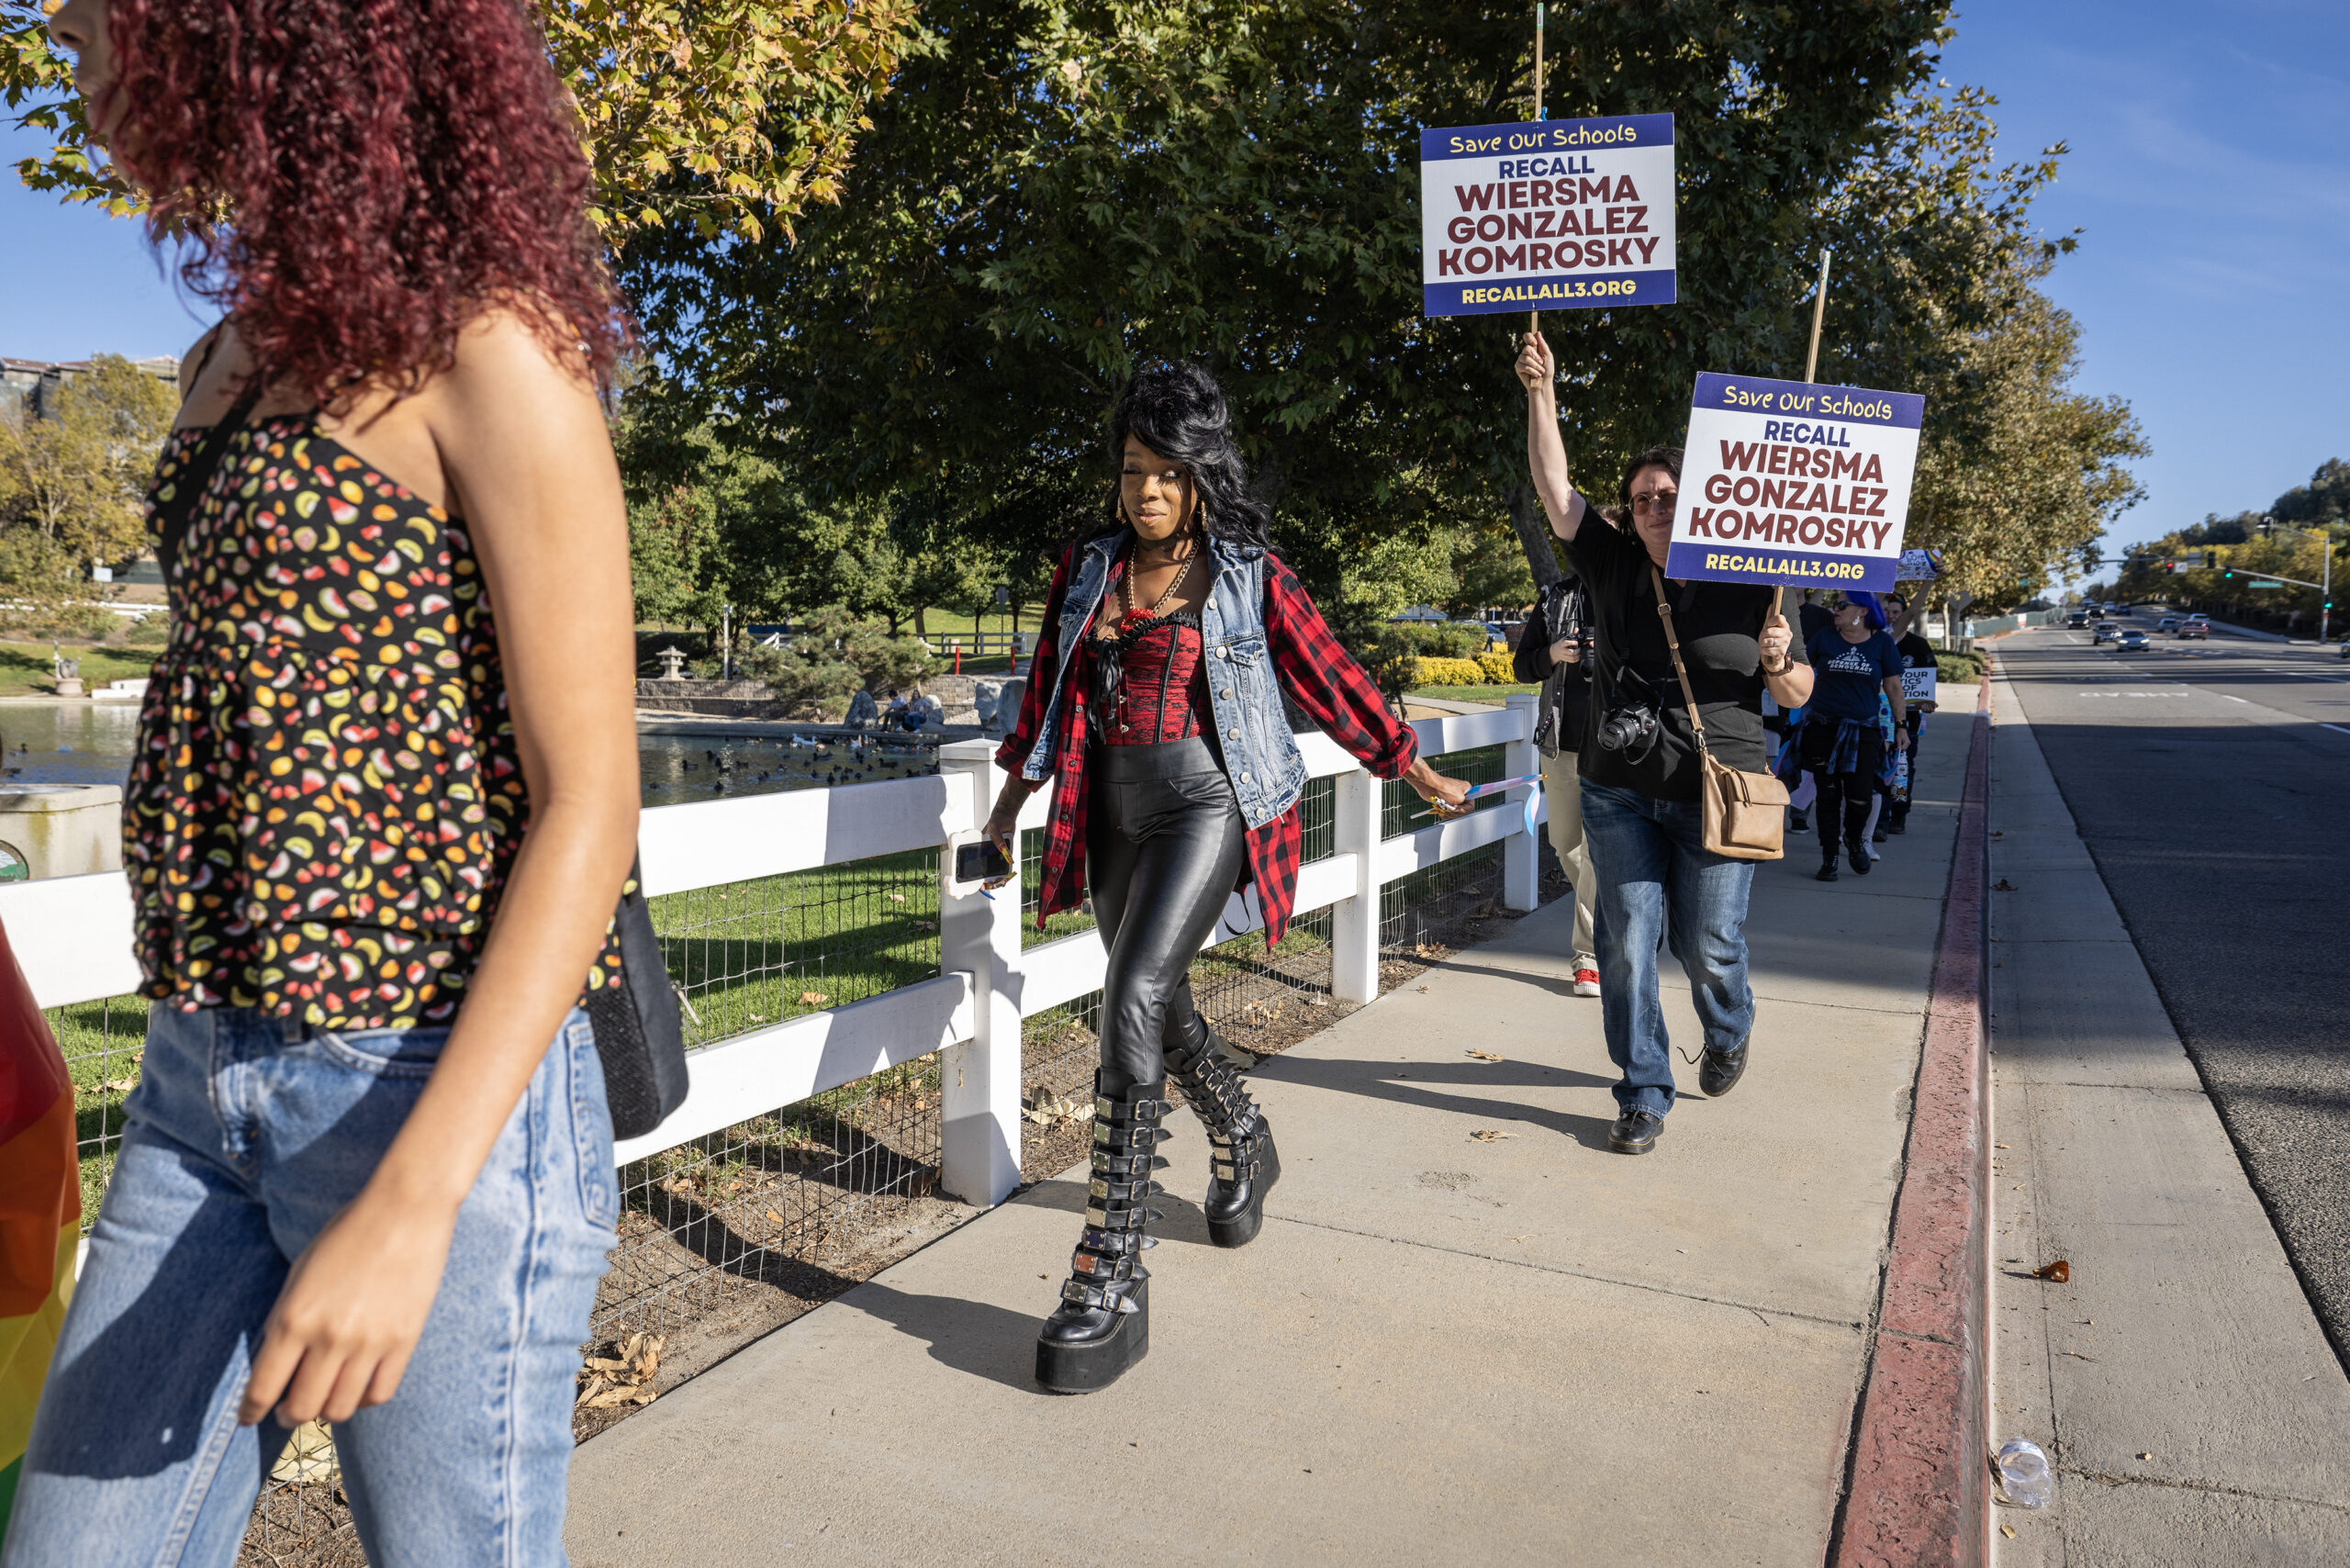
{"x":41,"y":1211}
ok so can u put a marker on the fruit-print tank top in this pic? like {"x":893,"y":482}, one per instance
{"x":326,"y":797}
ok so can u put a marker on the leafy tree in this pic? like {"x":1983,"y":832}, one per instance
{"x":720,"y":116}
{"x":71,"y":482}
{"x":833,"y":656}
{"x":1058,"y":190}
{"x":2322,"y":503}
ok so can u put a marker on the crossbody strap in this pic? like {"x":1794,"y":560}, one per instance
{"x":1664,"y":610}
{"x":181,"y":509}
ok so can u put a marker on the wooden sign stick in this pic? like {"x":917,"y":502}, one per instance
{"x":1534,"y":318}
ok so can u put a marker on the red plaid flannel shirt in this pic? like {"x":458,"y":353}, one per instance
{"x":1319,"y":677}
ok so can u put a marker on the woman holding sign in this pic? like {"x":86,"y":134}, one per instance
{"x":1156,"y":699}
{"x":1640,"y":768}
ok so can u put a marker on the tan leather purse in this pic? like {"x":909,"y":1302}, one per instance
{"x":1745,"y":814}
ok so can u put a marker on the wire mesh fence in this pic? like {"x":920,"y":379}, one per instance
{"x":103,"y":1043}
{"x":728,"y":1236}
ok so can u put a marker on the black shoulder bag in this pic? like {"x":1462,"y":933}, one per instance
{"x":639,"y":1033}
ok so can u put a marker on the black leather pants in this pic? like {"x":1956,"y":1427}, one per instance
{"x":1164,"y":848}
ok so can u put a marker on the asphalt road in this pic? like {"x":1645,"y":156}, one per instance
{"x":2207,"y":779}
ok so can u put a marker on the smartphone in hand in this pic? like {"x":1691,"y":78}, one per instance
{"x":983,"y":863}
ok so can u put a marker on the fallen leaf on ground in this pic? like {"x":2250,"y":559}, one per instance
{"x":774,"y":1216}
{"x":897,"y":897}
{"x":813,"y":999}
{"x":2059,"y":1270}
{"x":2004,"y":885}
{"x":124,"y":1085}
{"x":2145,"y":1456}
{"x":2008,"y":1531}
{"x":1424,"y":988}
{"x":1488,"y":1056}
{"x":1490,"y":1134}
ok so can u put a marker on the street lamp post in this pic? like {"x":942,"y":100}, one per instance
{"x":2325,"y":589}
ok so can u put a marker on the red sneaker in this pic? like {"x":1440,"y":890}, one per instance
{"x":1587,"y":980}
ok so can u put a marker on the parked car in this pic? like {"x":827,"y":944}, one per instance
{"x":2103,"y":632}
{"x":2168,"y":623}
{"x":2133,"y":640}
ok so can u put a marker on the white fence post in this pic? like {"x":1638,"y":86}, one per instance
{"x":1354,"y":923}
{"x":1522,"y":851}
{"x":979,"y":1135}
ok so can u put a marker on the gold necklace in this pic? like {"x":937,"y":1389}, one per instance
{"x":1126,"y":588}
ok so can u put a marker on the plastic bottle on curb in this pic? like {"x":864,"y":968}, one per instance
{"x":2024,"y":1474}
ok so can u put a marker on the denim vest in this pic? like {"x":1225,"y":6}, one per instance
{"x":1252,"y":731}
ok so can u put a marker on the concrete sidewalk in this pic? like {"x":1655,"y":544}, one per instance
{"x":1442,"y":1349}
{"x":2178,"y":1381}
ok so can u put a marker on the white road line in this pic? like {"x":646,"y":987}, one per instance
{"x":2335,"y":728}
{"x":2225,"y":698}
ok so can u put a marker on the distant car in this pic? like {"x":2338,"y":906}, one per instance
{"x":2168,"y":623}
{"x":2103,"y":632}
{"x":2132,"y":640}
{"x":2076,"y":618}
{"x":2117,"y":609}
{"x":2197,"y":626}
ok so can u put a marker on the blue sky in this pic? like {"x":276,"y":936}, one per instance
{"x":2209,"y":171}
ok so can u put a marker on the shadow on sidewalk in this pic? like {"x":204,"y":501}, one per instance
{"x":970,"y":1337}
{"x":1400,"y":1083}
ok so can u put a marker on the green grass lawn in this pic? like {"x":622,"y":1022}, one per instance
{"x":25,"y":669}
{"x":1493,"y":694}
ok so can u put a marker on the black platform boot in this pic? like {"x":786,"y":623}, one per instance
{"x":1242,"y":1163}
{"x":1103,"y":1325}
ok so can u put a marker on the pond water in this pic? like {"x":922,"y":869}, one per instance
{"x":91,"y":743}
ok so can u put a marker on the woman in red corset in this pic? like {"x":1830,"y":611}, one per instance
{"x":1156,"y":699}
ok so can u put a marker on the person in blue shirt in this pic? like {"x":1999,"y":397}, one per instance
{"x":1853,"y":660}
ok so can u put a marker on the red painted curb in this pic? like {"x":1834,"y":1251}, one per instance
{"x":1918,"y":1475}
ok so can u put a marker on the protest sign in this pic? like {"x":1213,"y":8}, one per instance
{"x":1920,"y":565}
{"x":1918,"y":685}
{"x":1546,"y":214}
{"x":1789,"y":481}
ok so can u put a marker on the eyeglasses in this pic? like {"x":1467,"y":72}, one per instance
{"x":1660,"y":500}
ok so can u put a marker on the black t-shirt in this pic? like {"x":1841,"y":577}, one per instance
{"x":1718,"y":624}
{"x":1915,"y":652}
{"x":1847,"y":678}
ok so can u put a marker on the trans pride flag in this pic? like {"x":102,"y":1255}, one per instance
{"x":41,"y":1211}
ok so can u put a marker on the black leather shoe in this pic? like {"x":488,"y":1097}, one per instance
{"x":1879,"y":835}
{"x":1720,"y":1071}
{"x":1828,"y":865}
{"x":1858,"y":854}
{"x":1797,"y":822}
{"x":1634,"y":1132}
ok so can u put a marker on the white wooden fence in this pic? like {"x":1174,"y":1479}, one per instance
{"x":71,"y":934}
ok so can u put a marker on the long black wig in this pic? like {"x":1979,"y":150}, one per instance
{"x":1176,"y":409}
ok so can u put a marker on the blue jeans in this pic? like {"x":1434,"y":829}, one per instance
{"x":1656,"y":882}
{"x":245,"y":1136}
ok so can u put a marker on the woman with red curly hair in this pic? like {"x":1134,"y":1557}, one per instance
{"x":383,"y":802}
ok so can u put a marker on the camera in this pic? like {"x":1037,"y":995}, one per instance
{"x":1631,"y":729}
{"x":1630,"y":726}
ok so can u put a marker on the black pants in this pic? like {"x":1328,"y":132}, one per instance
{"x":1845,"y":797}
{"x":1164,"y":848}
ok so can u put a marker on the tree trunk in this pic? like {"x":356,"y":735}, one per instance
{"x":920,"y":629}
{"x":1534,"y":535}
